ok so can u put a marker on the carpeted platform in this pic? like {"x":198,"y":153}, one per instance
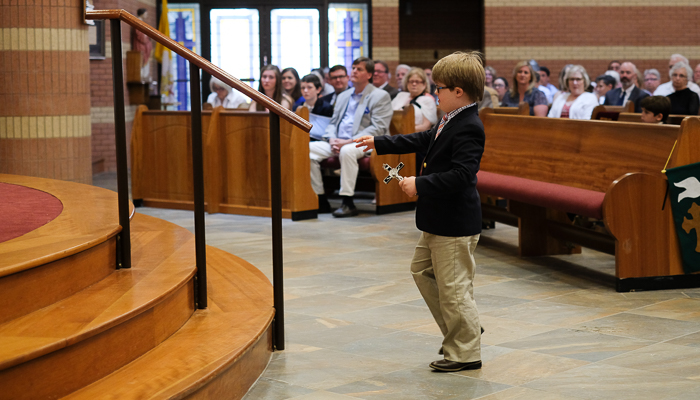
{"x":24,"y":209}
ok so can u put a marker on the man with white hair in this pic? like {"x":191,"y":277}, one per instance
{"x":697,"y":73}
{"x":629,"y":90}
{"x":667,"y":88}
{"x":401,"y":71}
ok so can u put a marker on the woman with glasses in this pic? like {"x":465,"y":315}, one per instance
{"x":415,"y":92}
{"x":271,"y":86}
{"x":500,"y":84}
{"x":525,"y":89}
{"x":223,"y":95}
{"x":683,"y":101}
{"x":575,"y":103}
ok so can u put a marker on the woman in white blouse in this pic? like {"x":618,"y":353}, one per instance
{"x":575,"y":103}
{"x":415,"y":92}
{"x":223,"y":95}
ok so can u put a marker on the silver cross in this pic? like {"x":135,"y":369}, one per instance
{"x":393,"y":172}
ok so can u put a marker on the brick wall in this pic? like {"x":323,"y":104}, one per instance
{"x":385,"y":33}
{"x":590,"y":33}
{"x":101,"y":92}
{"x":430,"y":30}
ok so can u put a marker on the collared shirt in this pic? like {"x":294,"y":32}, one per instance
{"x":451,"y":115}
{"x":345,"y":127}
{"x":626,"y":93}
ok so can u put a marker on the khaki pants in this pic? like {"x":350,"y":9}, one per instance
{"x":349,"y":154}
{"x":443,"y":268}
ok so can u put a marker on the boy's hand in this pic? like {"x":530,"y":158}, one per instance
{"x":408,"y":185}
{"x":365,"y":141}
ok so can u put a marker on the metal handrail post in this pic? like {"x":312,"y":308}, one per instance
{"x":198,"y":181}
{"x":277,"y":251}
{"x":124,"y":237}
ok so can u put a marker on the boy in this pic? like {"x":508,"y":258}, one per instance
{"x":448,"y":211}
{"x":310,"y":89}
{"x":655,"y":109}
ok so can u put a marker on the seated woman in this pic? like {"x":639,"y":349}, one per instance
{"x":524,"y":89}
{"x":683,"y":101}
{"x":415,"y":92}
{"x":291,"y":85}
{"x":271,"y":86}
{"x":575,"y":103}
{"x":223,"y":95}
{"x":500,"y":84}
{"x":311,"y":87}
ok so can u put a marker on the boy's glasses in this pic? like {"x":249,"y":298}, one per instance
{"x":437,"y":89}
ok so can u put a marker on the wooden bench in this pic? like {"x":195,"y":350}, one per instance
{"x":389,"y":197}
{"x":522,"y":109}
{"x":236,"y":162}
{"x":637,"y":117}
{"x":605,"y":170}
{"x":611,"y":113}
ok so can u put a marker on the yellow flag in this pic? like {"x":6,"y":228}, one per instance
{"x":164,"y":28}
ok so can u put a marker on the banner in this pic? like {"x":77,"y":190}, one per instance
{"x":684,"y":189}
{"x":165,"y":57}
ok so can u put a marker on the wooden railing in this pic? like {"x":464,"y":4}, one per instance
{"x":276,"y":111}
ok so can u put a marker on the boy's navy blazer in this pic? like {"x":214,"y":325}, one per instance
{"x":448,"y":203}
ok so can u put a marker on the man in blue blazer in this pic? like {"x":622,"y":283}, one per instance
{"x":363,"y":110}
{"x":629,"y":90}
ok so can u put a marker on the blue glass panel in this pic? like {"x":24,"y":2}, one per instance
{"x":348,"y":33}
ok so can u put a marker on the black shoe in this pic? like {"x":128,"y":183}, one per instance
{"x":453,"y":366}
{"x":324,"y":207}
{"x":345,"y":211}
{"x":440,"y":352}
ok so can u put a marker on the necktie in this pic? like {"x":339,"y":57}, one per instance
{"x":622,"y":98}
{"x":442,"y":124}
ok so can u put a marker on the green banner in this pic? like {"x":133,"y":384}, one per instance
{"x":684,"y":190}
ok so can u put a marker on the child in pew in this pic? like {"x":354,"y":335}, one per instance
{"x":655,"y":109}
{"x":448,"y":210}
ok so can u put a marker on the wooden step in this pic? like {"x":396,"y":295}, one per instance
{"x":218,"y":354}
{"x":69,"y":344}
{"x":70,"y":253}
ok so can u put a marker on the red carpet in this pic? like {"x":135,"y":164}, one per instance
{"x":24,"y":209}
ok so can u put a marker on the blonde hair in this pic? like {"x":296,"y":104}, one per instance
{"x":573,"y":69}
{"x":514,"y":88}
{"x":462,"y":70}
{"x":421,"y":74}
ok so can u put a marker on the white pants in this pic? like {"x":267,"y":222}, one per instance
{"x":443,"y":268}
{"x":349,"y":154}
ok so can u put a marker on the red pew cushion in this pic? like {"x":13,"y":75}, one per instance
{"x":584,"y":202}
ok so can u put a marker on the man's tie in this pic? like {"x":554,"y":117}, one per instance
{"x":442,"y":124}
{"x":622,"y":97}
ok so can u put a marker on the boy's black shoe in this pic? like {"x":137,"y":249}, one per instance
{"x":324,"y":207}
{"x":453,"y":366}
{"x":345,"y":211}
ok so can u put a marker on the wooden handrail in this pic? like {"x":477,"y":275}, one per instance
{"x":202,"y":63}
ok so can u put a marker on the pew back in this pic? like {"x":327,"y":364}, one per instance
{"x":611,"y":113}
{"x":583,"y":154}
{"x":637,"y":117}
{"x":522,"y":109}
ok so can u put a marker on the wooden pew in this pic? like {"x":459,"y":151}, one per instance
{"x":236,"y":162}
{"x":606,"y":170}
{"x":389,"y":197}
{"x":637,"y":117}
{"x":522,"y":109}
{"x":611,"y":113}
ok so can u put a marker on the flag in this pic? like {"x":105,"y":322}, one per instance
{"x":165,"y":57}
{"x":684,"y":189}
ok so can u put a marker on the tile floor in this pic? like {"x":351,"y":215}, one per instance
{"x":357,"y":328}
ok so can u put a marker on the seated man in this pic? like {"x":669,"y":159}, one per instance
{"x":338,"y":76}
{"x":655,"y":109}
{"x":363,"y":110}
{"x":546,"y":87}
{"x":629,"y":90}
{"x":381,"y":78}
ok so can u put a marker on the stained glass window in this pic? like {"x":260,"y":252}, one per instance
{"x":348,"y":33}
{"x":295,"y":39}
{"x":235,"y":42}
{"x":184,"y":28}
